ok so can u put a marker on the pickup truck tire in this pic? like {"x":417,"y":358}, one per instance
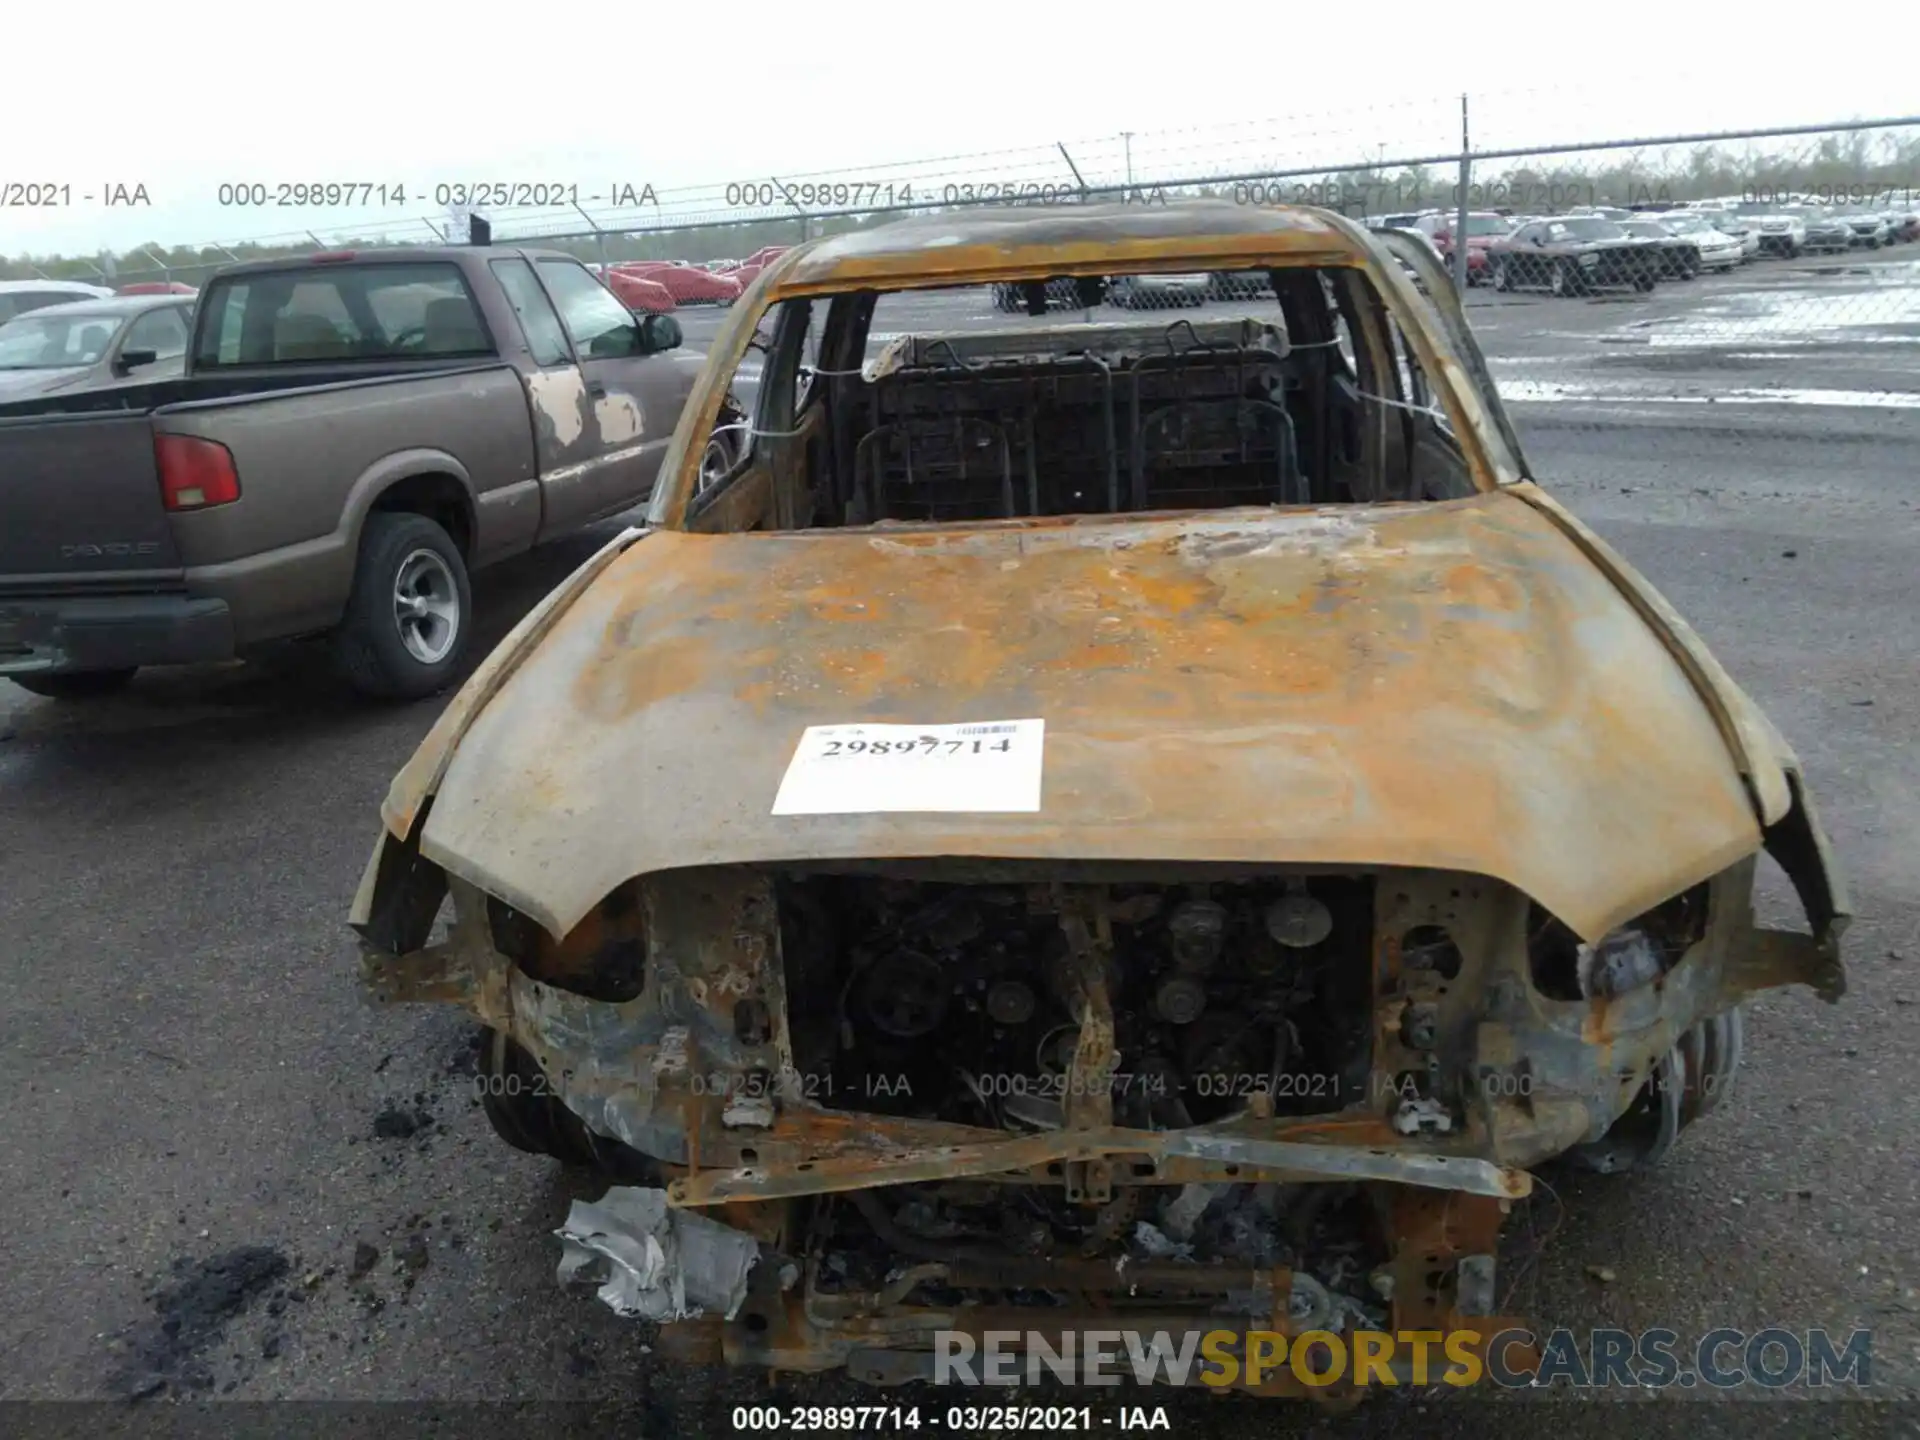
{"x":411,"y":611}
{"x":76,"y":684}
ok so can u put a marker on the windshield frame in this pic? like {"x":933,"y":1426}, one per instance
{"x":1469,"y":405}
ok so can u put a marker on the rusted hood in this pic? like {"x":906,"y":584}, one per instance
{"x":1448,"y":685}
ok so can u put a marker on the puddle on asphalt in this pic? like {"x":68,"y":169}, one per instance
{"x":1549,"y":391}
{"x":1854,"y":314}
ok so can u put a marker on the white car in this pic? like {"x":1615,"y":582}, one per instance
{"x":1719,"y":215}
{"x":1781,"y":231}
{"x":1409,"y":220}
{"x":17,"y":297}
{"x":1718,"y":250}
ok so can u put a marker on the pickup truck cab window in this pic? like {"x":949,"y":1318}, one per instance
{"x":601,"y":327}
{"x":319,"y":313}
{"x":538,"y":321}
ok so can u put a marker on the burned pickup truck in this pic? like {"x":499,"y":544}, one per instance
{"x":1115,"y":824}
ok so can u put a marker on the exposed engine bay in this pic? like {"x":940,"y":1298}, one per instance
{"x":958,"y":1003}
{"x":961,"y":1003}
{"x":938,"y":1099}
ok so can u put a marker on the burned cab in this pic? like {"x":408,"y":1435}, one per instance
{"x":1090,"y":820}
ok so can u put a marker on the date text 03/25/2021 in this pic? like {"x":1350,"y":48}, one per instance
{"x":958,"y":1419}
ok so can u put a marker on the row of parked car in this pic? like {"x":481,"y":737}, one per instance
{"x":62,"y":336}
{"x":1588,"y":248}
{"x":1598,"y":246}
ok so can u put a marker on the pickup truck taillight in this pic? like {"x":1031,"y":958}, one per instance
{"x":195,"y":473}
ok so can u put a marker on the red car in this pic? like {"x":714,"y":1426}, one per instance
{"x":750,"y":268}
{"x":157,"y":287}
{"x":637,"y":292}
{"x":1483,"y":228}
{"x":686,"y":283}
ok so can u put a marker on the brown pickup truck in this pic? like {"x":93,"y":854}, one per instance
{"x":353,"y":434}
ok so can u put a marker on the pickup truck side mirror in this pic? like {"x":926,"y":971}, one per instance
{"x":659,"y":332}
{"x":134,"y":359}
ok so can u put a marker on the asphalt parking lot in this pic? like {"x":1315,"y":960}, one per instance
{"x":225,"y":1177}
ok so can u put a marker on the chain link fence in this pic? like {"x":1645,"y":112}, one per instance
{"x":1769,"y":266}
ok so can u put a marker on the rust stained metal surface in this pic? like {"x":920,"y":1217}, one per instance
{"x":633,"y":1068}
{"x":1253,"y":1157}
{"x":1439,"y":685}
{"x":1066,"y":240}
{"x":417,"y":779}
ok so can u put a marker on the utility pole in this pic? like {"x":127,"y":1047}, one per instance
{"x":1127,"y":137}
{"x":1460,"y":206}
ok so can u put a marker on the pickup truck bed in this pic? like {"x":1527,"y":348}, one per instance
{"x":191,"y":518}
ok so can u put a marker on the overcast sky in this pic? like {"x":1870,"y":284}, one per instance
{"x":400,"y":93}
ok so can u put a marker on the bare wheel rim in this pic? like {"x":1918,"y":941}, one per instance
{"x":426,"y":606}
{"x":717,"y":460}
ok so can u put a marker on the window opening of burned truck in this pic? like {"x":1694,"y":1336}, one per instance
{"x":1293,"y":386}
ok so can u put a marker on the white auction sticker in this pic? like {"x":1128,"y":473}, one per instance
{"x":989,"y":765}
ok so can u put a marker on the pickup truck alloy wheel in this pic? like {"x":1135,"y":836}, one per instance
{"x":719,"y":458}
{"x":1502,"y":280}
{"x":405,"y":628}
{"x":426,"y":606}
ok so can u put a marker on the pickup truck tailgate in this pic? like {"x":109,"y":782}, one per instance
{"x":80,"y":506}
